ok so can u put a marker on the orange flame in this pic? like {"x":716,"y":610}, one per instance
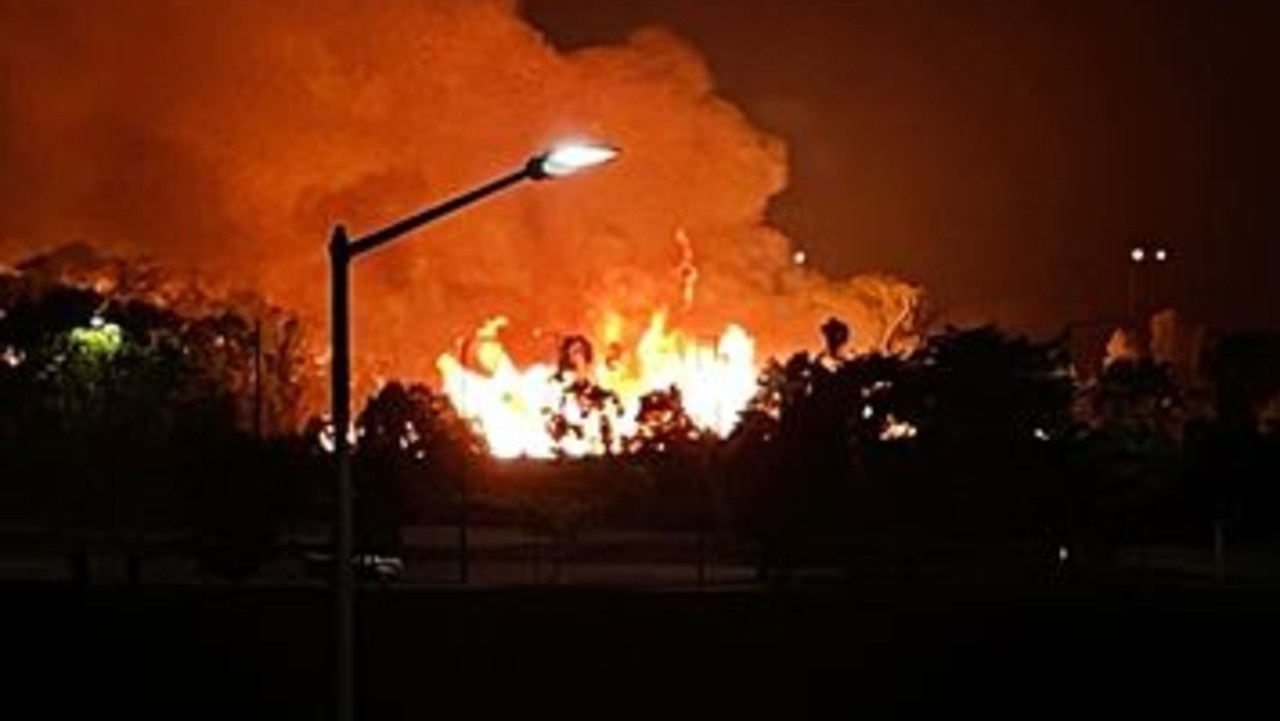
{"x":592,"y":407}
{"x":688,"y":270}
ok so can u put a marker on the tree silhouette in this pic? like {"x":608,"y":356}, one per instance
{"x":410,"y":461}
{"x":980,"y":383}
{"x":1231,"y":466}
{"x":1245,"y":368}
{"x":1137,"y":396}
{"x":116,"y":408}
{"x":982,"y":475}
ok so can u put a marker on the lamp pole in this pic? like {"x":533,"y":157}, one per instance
{"x":340,"y":399}
{"x":1142,"y":262}
{"x":1136,"y":256}
{"x":560,"y":161}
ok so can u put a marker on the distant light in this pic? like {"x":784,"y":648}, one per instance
{"x":100,"y":337}
{"x":1040,"y":434}
{"x":12,"y":357}
{"x":1064,"y":553}
{"x":800,"y":257}
{"x":868,"y":412}
{"x":326,"y":440}
{"x":1138,"y":255}
{"x":1161,"y":255}
{"x":565,"y":160}
{"x":896,"y":430}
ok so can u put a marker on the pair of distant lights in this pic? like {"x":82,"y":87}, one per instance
{"x":1141,"y":255}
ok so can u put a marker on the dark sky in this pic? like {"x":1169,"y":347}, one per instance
{"x":1007,"y":154}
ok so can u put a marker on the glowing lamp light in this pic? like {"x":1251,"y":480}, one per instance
{"x":800,"y":257}
{"x":1139,"y":254}
{"x":565,"y":160}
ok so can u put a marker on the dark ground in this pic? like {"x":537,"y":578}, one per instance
{"x":1105,"y":650}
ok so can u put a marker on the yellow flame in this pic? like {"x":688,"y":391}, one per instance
{"x":541,"y":411}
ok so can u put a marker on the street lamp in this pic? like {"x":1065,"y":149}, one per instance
{"x":1140,"y":256}
{"x":558,"y":162}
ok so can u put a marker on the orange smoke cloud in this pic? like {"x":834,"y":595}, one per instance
{"x":228,"y":137}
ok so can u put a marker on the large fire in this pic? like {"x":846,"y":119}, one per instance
{"x":594,"y":402}
{"x":270,"y":122}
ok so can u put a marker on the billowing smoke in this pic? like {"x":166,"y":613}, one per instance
{"x":229,"y":137}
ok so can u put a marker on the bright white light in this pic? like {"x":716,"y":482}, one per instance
{"x":12,"y":357}
{"x":568,"y":159}
{"x":327,"y":441}
{"x":1162,"y":255}
{"x":1138,"y":255}
{"x":1040,"y":434}
{"x":800,"y":257}
{"x":1064,"y":553}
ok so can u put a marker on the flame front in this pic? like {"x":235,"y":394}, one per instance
{"x":594,"y":403}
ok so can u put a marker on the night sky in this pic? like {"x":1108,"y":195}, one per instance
{"x":1007,"y":154}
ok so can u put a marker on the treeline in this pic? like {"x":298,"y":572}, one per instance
{"x":977,"y":449}
{"x":983,"y":448}
{"x":123,"y":420}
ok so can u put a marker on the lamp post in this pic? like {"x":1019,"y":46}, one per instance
{"x":1139,"y":257}
{"x":561,"y":161}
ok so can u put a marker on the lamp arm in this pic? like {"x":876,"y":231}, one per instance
{"x":382,"y":236}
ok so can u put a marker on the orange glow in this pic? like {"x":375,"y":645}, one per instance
{"x":286,"y":120}
{"x":589,"y":403}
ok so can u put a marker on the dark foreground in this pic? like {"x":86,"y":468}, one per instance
{"x":1102,"y":650}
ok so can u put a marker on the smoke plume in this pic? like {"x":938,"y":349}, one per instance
{"x":229,"y":137}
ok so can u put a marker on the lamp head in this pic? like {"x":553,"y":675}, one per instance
{"x":565,"y":160}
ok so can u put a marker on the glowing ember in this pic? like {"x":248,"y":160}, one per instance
{"x":593,"y":404}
